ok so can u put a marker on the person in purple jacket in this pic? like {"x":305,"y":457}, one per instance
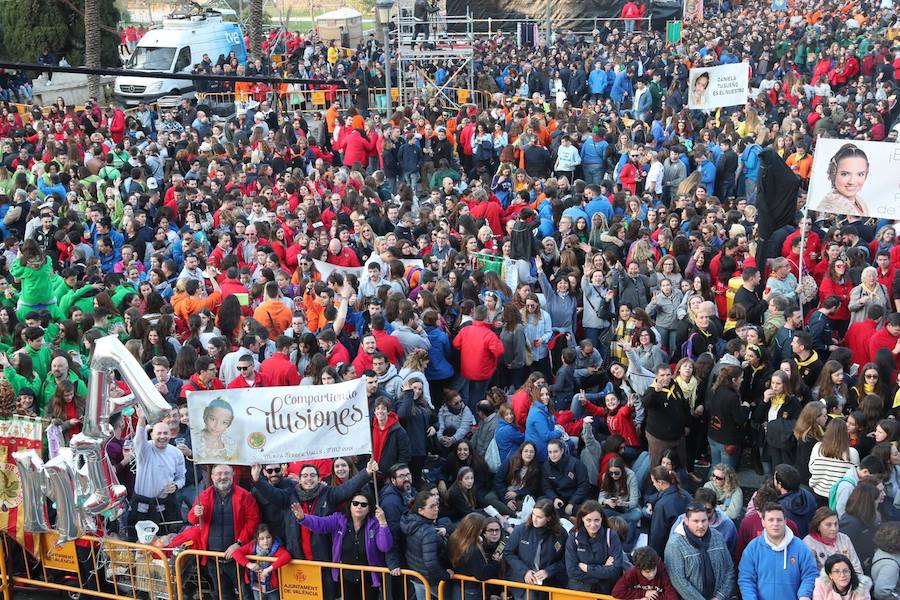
{"x":359,"y":536}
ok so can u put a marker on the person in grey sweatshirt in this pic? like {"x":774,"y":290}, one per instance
{"x":410,"y":332}
{"x":663,"y":308}
{"x":560,"y":302}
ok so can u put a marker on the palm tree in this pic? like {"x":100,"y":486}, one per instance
{"x":92,"y":44}
{"x":256,"y":27}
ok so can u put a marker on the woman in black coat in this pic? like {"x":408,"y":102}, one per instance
{"x":390,"y":444}
{"x":541,"y":532}
{"x":777,"y":415}
{"x":463,"y":497}
{"x":468,"y":557}
{"x":426,"y":550}
{"x":727,"y":415}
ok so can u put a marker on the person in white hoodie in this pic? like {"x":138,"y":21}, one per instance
{"x":567,"y":158}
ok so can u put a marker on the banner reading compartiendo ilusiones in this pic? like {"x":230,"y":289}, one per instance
{"x":714,"y":87}
{"x":280,"y":424}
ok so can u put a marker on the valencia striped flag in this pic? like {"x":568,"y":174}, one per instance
{"x":16,"y":433}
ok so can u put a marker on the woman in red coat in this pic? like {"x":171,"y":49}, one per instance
{"x":837,"y":283}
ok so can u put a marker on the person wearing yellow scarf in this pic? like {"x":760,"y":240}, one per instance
{"x":780,"y":411}
{"x":666,"y":416}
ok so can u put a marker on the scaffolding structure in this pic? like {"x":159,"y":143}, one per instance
{"x":451,"y":39}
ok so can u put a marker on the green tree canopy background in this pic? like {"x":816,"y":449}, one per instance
{"x":27,"y":26}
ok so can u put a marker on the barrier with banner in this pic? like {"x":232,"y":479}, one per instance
{"x":175,"y":575}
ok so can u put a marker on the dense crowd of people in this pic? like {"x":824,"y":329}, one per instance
{"x":581,"y":428}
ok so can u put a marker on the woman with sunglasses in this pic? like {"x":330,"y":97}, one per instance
{"x":359,"y":536}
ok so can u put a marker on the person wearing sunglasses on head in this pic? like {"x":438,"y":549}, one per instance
{"x":271,"y":513}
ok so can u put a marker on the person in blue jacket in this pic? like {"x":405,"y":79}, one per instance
{"x":593,"y":157}
{"x":598,"y":82}
{"x":535,"y":550}
{"x":670,"y":505}
{"x":707,"y":172}
{"x":507,"y":435}
{"x":748,"y":166}
{"x":594,"y":556}
{"x":776,"y":564}
{"x":540,"y":427}
{"x":621,"y":87}
{"x":439,"y":371}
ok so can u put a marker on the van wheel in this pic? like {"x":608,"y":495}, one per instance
{"x":175,"y":92}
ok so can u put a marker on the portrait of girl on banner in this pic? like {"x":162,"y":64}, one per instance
{"x":848,"y":171}
{"x":215,"y":441}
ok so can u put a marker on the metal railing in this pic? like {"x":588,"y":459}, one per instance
{"x":117,"y":570}
{"x":489,"y":587}
{"x":104,"y":568}
{"x":309,"y":578}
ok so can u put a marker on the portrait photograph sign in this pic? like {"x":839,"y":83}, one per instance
{"x":855,"y":178}
{"x":714,"y":87}
{"x":280,"y":424}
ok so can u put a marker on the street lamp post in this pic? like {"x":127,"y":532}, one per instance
{"x":383,"y":8}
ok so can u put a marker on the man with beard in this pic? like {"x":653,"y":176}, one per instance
{"x":227,"y":515}
{"x":272,"y":514}
{"x":315,"y":498}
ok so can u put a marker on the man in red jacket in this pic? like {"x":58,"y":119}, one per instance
{"x":247,"y":375}
{"x":859,"y":334}
{"x":204,"y":378}
{"x":341,"y":255}
{"x":887,"y":337}
{"x":278,"y":368}
{"x":228,"y":516}
{"x":479,"y":348}
{"x":386,"y":344}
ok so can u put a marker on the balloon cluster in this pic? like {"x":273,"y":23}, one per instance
{"x":81,"y":480}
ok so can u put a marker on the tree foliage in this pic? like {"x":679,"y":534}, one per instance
{"x":27,"y":26}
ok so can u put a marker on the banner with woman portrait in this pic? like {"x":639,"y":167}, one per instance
{"x":855,"y":178}
{"x":714,"y":87}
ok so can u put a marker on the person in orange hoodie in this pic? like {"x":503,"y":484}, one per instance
{"x":190,"y":302}
{"x":273,"y":313}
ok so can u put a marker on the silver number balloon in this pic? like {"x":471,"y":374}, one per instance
{"x":31,"y":475}
{"x":102,"y":490}
{"x":111,"y":355}
{"x":61,"y":482}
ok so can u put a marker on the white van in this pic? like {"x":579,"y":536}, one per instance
{"x":176,"y":47}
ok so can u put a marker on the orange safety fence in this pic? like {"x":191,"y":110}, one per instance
{"x":104,"y":568}
{"x":462,"y":584}
{"x":297,"y":580}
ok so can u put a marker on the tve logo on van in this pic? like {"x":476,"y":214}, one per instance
{"x":233,"y":37}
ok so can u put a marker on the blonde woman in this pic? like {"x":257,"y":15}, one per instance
{"x":730,"y":497}
{"x":414,"y":368}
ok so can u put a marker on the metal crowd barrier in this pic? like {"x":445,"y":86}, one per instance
{"x":104,"y":568}
{"x":117,"y":570}
{"x":299,"y":578}
{"x":462,"y":585}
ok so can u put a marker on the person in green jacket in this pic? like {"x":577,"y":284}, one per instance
{"x":83,"y":298}
{"x":19,"y":372}
{"x":35,"y":272}
{"x":61,"y":370}
{"x":38,"y":351}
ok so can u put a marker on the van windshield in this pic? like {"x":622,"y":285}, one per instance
{"x":152,"y":59}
